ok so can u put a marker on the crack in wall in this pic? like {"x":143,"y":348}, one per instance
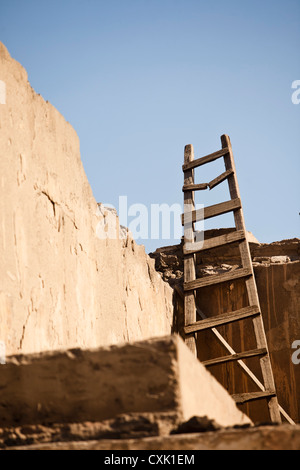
{"x":24,"y":328}
{"x":49,"y":199}
{"x":54,"y":204}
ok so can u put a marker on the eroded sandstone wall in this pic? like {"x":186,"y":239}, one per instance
{"x":61,"y":286}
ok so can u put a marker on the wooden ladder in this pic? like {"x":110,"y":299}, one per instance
{"x":191,"y":283}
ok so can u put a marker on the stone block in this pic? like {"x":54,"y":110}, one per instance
{"x":154,"y":376}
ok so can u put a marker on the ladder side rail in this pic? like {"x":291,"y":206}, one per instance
{"x":259,"y":330}
{"x":189,"y":260}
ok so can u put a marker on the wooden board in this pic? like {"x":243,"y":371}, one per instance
{"x":219,"y":179}
{"x":241,"y":398}
{"x":223,"y":319}
{"x":235,"y":357}
{"x":195,"y":187}
{"x":211,"y":211}
{"x":216,"y":279}
{"x":216,"y":241}
{"x":201,"y":161}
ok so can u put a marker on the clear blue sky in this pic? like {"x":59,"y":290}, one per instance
{"x":139,"y":79}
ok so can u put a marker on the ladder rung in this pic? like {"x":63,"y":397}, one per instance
{"x":208,"y":158}
{"x":211,"y":211}
{"x":217,"y":279}
{"x":216,"y":241}
{"x":219,"y":179}
{"x":194,"y":187}
{"x":235,"y":357}
{"x":223,"y":319}
{"x":241,"y":398}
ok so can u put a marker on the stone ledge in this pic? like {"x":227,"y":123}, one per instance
{"x":155,"y":376}
{"x":283,"y":437}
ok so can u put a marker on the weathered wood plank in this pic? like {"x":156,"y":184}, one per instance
{"x":217,"y":241}
{"x":241,"y":398}
{"x":211,"y":211}
{"x":219,"y":179}
{"x":229,"y":349}
{"x":201,"y":161}
{"x":189,"y":261}
{"x":223,"y":319}
{"x":235,"y":357}
{"x":195,"y":187}
{"x":216,"y":279}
